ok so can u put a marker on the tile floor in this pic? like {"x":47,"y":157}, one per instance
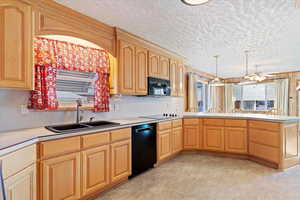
{"x":197,"y":177}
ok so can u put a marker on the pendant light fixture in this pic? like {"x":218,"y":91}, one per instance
{"x":217,"y":81}
{"x":194,"y":2}
{"x":247,"y":63}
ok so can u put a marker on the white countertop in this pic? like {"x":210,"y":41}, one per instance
{"x":13,"y":140}
{"x":275,"y":118}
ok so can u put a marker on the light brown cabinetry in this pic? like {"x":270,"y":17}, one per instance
{"x":225,"y":135}
{"x":264,"y":140}
{"x":177,"y":139}
{"x":120,"y":160}
{"x":192,"y":134}
{"x":164,"y":144}
{"x":22,"y":185}
{"x":169,"y":139}
{"x":176,"y":78}
{"x":164,"y":67}
{"x":154,"y":65}
{"x":95,"y":169}
{"x":159,"y":66}
{"x":16,"y":60}
{"x":19,"y":174}
{"x":236,"y":140}
{"x":141,"y":71}
{"x":213,"y":138}
{"x":60,"y":177}
{"x":78,"y":167}
{"x":133,"y":69}
{"x":126,"y":68}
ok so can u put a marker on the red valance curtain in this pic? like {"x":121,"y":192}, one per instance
{"x":51,"y":55}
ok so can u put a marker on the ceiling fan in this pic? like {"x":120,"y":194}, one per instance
{"x":258,"y":76}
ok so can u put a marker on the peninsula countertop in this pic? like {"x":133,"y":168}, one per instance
{"x":264,"y":117}
{"x":13,"y":140}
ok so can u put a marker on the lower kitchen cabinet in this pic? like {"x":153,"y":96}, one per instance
{"x":177,"y":137}
{"x":236,"y":140}
{"x":213,"y":138}
{"x":120,"y":160}
{"x":164,"y":144}
{"x":22,"y":186}
{"x":191,"y":137}
{"x":61,"y":177}
{"x":95,"y":169}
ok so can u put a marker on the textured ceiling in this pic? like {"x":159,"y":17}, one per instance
{"x":269,"y":28}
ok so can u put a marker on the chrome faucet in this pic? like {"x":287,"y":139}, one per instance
{"x":78,"y":117}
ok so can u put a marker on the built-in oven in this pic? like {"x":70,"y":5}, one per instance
{"x":158,"y":87}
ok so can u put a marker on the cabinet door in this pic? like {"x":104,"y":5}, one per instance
{"x":95,"y":169}
{"x":236,"y":140}
{"x":16,"y":60}
{"x":177,"y":140}
{"x":141,"y":71}
{"x":126,"y":68}
{"x":164,"y":144}
{"x":22,"y":185}
{"x":213,"y":138}
{"x":173,"y":77}
{"x":120,"y":160}
{"x":154,"y":66}
{"x":179,"y":79}
{"x":190,"y":137}
{"x":61,"y":177}
{"x":164,"y":65}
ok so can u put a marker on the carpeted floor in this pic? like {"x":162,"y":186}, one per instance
{"x":197,"y":177}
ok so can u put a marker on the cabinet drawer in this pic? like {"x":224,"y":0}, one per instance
{"x":264,"y":137}
{"x":271,"y":126}
{"x":95,"y":139}
{"x":177,"y":123}
{"x":121,"y":134}
{"x":235,"y":123}
{"x":191,"y":121}
{"x":164,"y":125}
{"x":265,"y":152}
{"x":214,"y":122}
{"x":18,"y":160}
{"x":60,"y":146}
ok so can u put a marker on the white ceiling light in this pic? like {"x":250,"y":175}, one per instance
{"x":194,"y":2}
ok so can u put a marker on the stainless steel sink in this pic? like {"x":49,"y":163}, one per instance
{"x":70,"y":128}
{"x":100,"y":123}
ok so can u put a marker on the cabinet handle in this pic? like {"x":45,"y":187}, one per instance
{"x":2,"y":188}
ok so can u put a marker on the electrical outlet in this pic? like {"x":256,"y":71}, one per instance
{"x":24,"y":109}
{"x":116,"y":107}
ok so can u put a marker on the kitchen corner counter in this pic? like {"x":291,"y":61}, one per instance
{"x":264,"y":117}
{"x":13,"y":140}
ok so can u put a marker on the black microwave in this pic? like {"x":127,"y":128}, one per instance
{"x":158,"y":87}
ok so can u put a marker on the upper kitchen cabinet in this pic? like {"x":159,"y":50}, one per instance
{"x":141,"y":67}
{"x":164,"y":67}
{"x":133,"y":67}
{"x":154,"y":65}
{"x":16,"y":63}
{"x":126,"y":68}
{"x":176,"y":77}
{"x":159,"y":66}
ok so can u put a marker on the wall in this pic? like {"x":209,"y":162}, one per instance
{"x":11,"y":117}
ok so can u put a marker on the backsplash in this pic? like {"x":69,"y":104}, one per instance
{"x":12,"y":117}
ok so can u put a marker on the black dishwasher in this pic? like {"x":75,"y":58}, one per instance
{"x":143,"y":148}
